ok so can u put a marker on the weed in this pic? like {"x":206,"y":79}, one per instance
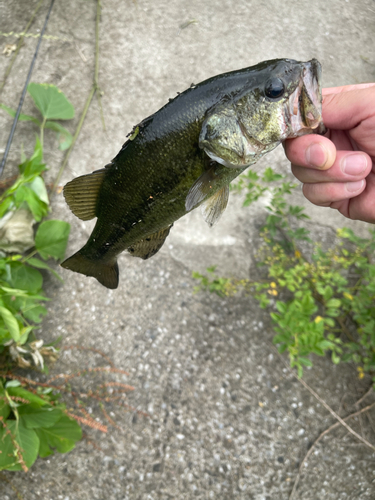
{"x":32,"y":420}
{"x":319,"y":303}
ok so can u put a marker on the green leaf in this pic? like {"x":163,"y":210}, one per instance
{"x":63,"y":435}
{"x":4,"y":406}
{"x":5,"y":206}
{"x":51,"y":239}
{"x":34,"y":313}
{"x":30,"y":168}
{"x":329,"y":321}
{"x":335,"y":358}
{"x":211,"y":269}
{"x":25,"y":277}
{"x":25,"y":334}
{"x":281,"y":307}
{"x":50,"y":101}
{"x":37,"y":207}
{"x":347,"y":357}
{"x":13,"y":383}
{"x":328,"y":293}
{"x":270,"y":176}
{"x":64,"y":137}
{"x":295,"y":210}
{"x":14,"y":292}
{"x":39,"y":188}
{"x":28,"y":446}
{"x":326,"y":344}
{"x":305,"y":361}
{"x":33,"y":166}
{"x":7,"y":455}
{"x":282,"y":348}
{"x":333,"y":303}
{"x":42,"y":265}
{"x":11,"y":323}
{"x":4,"y":338}
{"x":333,"y":313}
{"x":21,"y":118}
{"x":44,"y":448}
{"x":20,"y":392}
{"x":33,"y":416}
{"x":300,"y":234}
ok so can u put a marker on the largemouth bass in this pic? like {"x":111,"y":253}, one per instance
{"x":185,"y":155}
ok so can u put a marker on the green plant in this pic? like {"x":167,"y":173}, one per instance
{"x":22,"y":435}
{"x":32,"y":423}
{"x":52,"y":105}
{"x":33,"y":420}
{"x":21,"y":294}
{"x":322,"y":302}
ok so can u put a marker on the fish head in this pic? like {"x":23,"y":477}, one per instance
{"x":281,"y":99}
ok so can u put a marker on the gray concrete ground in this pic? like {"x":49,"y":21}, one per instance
{"x":227,"y":420}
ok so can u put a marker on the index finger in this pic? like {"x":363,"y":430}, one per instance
{"x":346,"y":107}
{"x":346,"y":88}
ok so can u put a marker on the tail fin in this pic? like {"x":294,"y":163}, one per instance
{"x":105,"y":272}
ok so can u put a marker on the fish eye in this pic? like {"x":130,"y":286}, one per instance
{"x":274,"y":88}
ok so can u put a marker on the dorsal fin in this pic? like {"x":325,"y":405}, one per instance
{"x":149,"y":246}
{"x":81,"y":194}
{"x":213,"y":208}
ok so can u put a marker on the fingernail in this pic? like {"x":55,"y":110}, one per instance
{"x":352,"y":187}
{"x":354,"y":164}
{"x":316,"y":155}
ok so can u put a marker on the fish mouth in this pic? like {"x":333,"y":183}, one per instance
{"x":304,"y":107}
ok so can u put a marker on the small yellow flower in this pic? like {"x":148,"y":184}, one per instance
{"x":272,"y":292}
{"x":361,"y":373}
{"x":273,"y":285}
{"x":348,"y":296}
{"x":297,"y":254}
{"x":318,"y":319}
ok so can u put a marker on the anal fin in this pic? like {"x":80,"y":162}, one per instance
{"x":213,"y":208}
{"x":81,"y":194}
{"x":149,"y":246}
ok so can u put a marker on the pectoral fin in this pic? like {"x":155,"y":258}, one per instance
{"x":147,"y":247}
{"x":81,"y":194}
{"x":213,"y":208}
{"x":201,"y":188}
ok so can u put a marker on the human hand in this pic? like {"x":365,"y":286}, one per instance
{"x":338,"y":169}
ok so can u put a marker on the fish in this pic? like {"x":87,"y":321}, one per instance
{"x":185,"y":155}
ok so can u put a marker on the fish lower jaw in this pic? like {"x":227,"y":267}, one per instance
{"x":242,"y":162}
{"x":301,"y":121}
